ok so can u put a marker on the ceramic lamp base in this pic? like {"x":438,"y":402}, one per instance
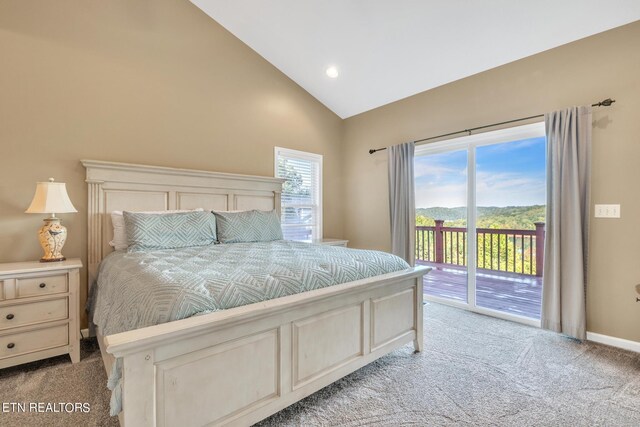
{"x":52,"y":237}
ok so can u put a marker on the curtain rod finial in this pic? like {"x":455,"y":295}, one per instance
{"x":375,"y":150}
{"x":606,"y":103}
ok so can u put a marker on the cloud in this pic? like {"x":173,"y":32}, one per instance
{"x":421,"y":169}
{"x":449,"y":196}
{"x":505,"y":147}
{"x":509,"y":176}
{"x":492,"y":189}
{"x":441,"y":167}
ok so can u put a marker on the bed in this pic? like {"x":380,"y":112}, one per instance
{"x":239,"y":365}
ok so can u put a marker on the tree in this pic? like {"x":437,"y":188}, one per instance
{"x":512,"y":252}
{"x":293,"y":187}
{"x":295,"y":192}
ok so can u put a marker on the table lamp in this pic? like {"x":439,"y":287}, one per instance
{"x":51,"y":198}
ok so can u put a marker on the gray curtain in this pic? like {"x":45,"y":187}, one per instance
{"x":402,"y":203}
{"x":566,"y":243}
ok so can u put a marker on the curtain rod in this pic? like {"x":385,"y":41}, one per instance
{"x":607,"y":102}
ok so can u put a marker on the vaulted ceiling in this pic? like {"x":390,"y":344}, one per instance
{"x":386,"y":50}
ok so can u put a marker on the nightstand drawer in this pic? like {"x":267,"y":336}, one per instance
{"x":44,"y":285}
{"x":27,"y":342}
{"x":1,"y":290}
{"x":34,"y":312}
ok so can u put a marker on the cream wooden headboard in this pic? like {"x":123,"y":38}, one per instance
{"x":123,"y":186}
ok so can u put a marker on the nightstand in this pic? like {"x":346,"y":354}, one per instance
{"x":39,"y":311}
{"x":331,"y":242}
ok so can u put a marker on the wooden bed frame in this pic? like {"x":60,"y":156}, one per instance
{"x":238,"y":366}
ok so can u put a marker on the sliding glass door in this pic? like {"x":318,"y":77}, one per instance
{"x":441,"y":222}
{"x":480,"y":211}
{"x":510,"y":215}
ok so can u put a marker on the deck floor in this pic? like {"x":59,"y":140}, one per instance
{"x":507,"y":292}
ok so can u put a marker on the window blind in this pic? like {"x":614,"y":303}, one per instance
{"x":301,"y":193}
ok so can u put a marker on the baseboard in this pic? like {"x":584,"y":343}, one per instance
{"x":614,"y":342}
{"x":84,"y":333}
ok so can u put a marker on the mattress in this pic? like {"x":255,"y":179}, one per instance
{"x":140,"y":289}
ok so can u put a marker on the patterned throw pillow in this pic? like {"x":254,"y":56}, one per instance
{"x":119,"y":241}
{"x":170,"y":231}
{"x":248,"y":226}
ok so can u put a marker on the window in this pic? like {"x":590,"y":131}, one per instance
{"x":301,"y":193}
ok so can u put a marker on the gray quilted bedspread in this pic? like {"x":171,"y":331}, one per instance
{"x":141,"y":289}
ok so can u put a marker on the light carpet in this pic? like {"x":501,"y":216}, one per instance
{"x":475,"y":370}
{"x":57,"y":380}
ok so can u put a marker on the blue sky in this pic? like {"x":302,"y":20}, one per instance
{"x":508,"y":174}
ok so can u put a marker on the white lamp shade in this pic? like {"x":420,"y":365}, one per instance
{"x":51,"y":197}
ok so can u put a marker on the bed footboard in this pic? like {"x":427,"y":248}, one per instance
{"x":241,"y":365}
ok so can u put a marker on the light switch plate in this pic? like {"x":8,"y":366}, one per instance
{"x":607,"y":211}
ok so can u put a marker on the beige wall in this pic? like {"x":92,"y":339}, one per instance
{"x":158,"y":82}
{"x":147,"y":81}
{"x":605,"y":65}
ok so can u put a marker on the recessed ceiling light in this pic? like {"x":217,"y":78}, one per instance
{"x":332,"y":72}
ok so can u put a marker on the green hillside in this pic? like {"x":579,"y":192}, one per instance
{"x":512,"y":217}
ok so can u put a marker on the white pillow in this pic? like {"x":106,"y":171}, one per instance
{"x":119,"y":241}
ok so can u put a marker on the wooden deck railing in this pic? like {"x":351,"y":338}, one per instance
{"x":515,"y":251}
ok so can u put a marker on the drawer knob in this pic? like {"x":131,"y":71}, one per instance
{"x":11,"y":345}
{"x":9,"y":316}
{"x":42,"y":285}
